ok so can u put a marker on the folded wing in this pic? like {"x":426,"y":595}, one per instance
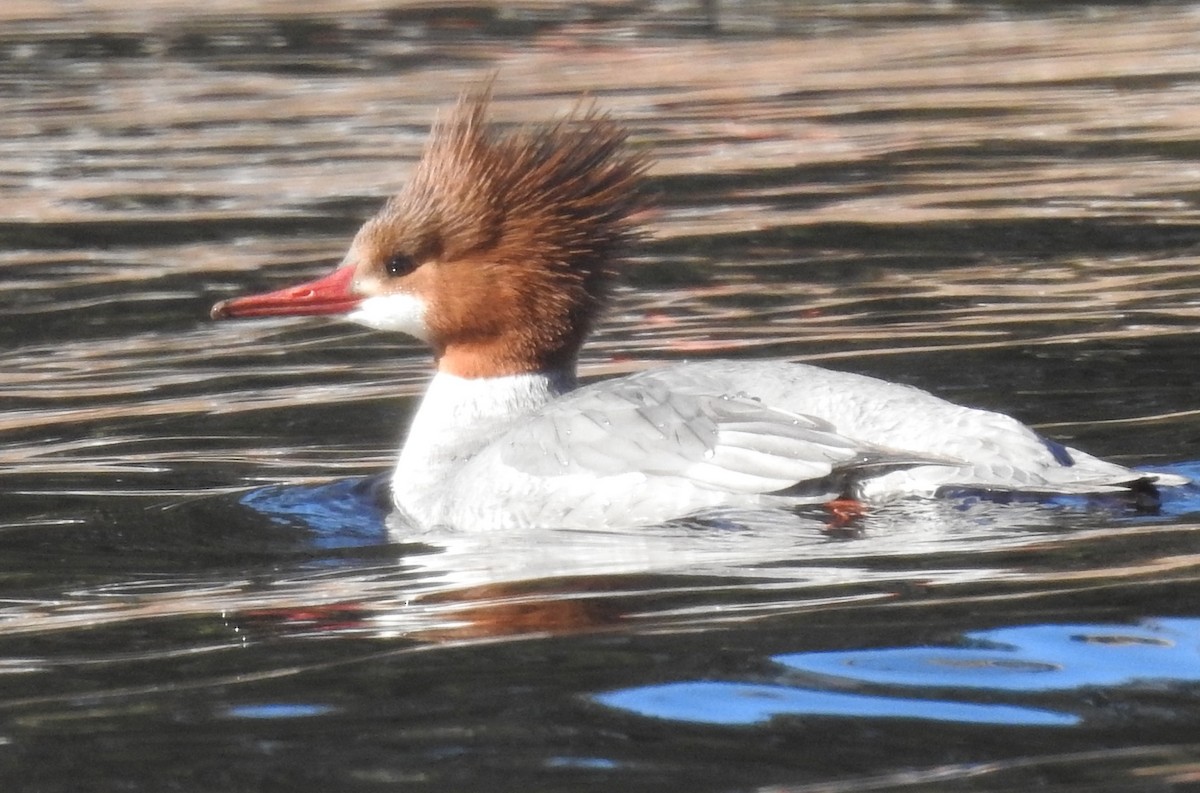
{"x":729,"y":443}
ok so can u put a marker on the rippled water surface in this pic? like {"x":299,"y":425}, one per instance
{"x":198,"y":591}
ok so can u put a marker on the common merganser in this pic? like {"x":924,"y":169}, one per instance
{"x":498,"y":253}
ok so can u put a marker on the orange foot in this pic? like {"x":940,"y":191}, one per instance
{"x":842,"y":513}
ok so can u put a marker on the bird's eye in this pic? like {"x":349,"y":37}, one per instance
{"x":400,"y":264}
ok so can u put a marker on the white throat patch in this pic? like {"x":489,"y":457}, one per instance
{"x":397,"y":312}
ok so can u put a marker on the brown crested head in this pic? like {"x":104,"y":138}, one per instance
{"x":507,"y":237}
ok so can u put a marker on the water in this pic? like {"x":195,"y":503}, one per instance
{"x":994,"y":201}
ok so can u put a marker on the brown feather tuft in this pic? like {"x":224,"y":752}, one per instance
{"x":515,"y":233}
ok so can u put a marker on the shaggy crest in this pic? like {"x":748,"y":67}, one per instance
{"x":526,"y":224}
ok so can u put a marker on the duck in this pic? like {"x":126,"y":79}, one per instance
{"x":500,"y":252}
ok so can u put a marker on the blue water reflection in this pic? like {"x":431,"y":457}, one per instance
{"x":1027,"y":658}
{"x":345,"y":513}
{"x":277,"y":710}
{"x":590,"y":763}
{"x":1031,"y":659}
{"x":1177,"y":501}
{"x":714,"y":702}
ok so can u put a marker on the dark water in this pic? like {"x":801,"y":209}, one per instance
{"x":197,"y":592}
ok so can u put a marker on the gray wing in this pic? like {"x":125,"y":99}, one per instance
{"x":727,"y":443}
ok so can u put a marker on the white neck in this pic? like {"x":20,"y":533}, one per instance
{"x":457,"y":417}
